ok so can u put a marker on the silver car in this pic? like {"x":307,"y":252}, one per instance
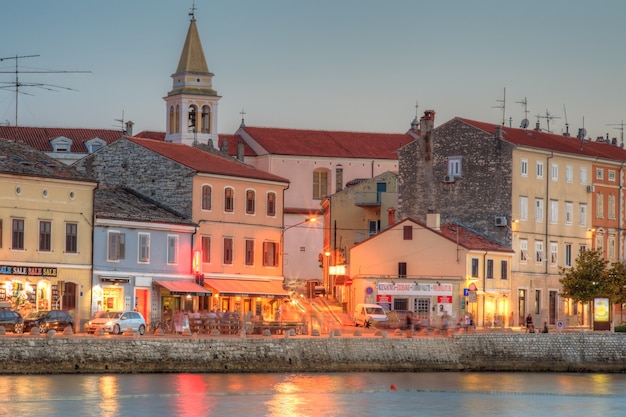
{"x":117,"y":322}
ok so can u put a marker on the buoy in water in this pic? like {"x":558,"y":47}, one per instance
{"x":393,"y":387}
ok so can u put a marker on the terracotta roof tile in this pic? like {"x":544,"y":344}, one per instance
{"x":552,"y":142}
{"x":232,"y":141}
{"x":40,"y":137}
{"x":328,"y":143}
{"x":205,"y":162}
{"x":470,"y":239}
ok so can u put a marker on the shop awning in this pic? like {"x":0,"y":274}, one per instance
{"x":247,"y":288}
{"x":183,"y":287}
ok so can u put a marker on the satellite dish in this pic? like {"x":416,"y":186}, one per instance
{"x":524,"y":124}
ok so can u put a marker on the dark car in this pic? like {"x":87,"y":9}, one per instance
{"x":48,"y":320}
{"x":11,"y":321}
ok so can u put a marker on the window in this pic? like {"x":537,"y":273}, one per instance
{"x":250,"y":202}
{"x":599,"y":173}
{"x":610,"y":248}
{"x":144,"y":247}
{"x":568,"y":254}
{"x":17,"y":234}
{"x":408,"y":233}
{"x":228,"y":250}
{"x":206,"y":249}
{"x":540,"y":255}
{"x":45,"y":242}
{"x":401,"y":269}
{"x":172,"y":249}
{"x":249,"y":252}
{"x":504,"y":269}
{"x":599,"y":206}
{"x":611,"y":206}
{"x":116,"y":246}
{"x":539,"y":169}
{"x":583,"y":175}
{"x":1,"y":233}
{"x":554,"y":254}
{"x":569,"y":213}
{"x":524,"y":167}
{"x":206,"y":197}
{"x":555,"y":172}
{"x":475,"y":267}
{"x":600,"y":243}
{"x":454,"y":166}
{"x":490,"y":268}
{"x":270,"y":254}
{"x":374,"y":226}
{"x":554,"y":211}
{"x":71,"y":238}
{"x":320,"y":184}
{"x":271,"y":204}
{"x":569,"y":173}
{"x":537,"y":301}
{"x":582,"y":215}
{"x":523,"y":208}
{"x":229,"y":200}
{"x":539,"y":210}
{"x":523,"y":250}
{"x":611,"y":175}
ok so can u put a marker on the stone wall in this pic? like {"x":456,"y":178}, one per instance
{"x":567,"y":352}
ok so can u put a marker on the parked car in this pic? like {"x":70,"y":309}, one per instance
{"x":12,"y":321}
{"x":48,"y":320}
{"x":117,"y":322}
{"x":366,"y":314}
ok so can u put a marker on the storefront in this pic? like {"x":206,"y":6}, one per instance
{"x":257,"y":298}
{"x":177,"y":296}
{"x":31,"y":289}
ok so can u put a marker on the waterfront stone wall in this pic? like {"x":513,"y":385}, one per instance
{"x":572,"y":352}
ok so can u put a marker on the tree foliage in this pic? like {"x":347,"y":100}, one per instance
{"x":587,"y":279}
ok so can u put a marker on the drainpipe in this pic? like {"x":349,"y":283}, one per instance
{"x":548,"y":179}
{"x":484,"y":285}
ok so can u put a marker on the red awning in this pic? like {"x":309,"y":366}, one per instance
{"x":248,"y":287}
{"x":183,"y":287}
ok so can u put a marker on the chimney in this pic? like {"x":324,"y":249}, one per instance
{"x":240,"y":151}
{"x":433,"y":220}
{"x":391,"y":216}
{"x":129,"y":128}
{"x":224,"y":147}
{"x":339,"y":178}
{"x":498,"y":133}
{"x":427,"y":121}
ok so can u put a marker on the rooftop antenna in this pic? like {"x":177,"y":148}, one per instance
{"x":621,"y":129}
{"x":582,"y":132}
{"x":121,"y":122}
{"x":502,"y":106}
{"x":17,"y":84}
{"x":566,"y":124}
{"x":548,"y":117}
{"x":524,"y":124}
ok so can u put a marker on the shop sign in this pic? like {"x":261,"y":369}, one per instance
{"x":27,"y":270}
{"x":380,"y":298}
{"x":444,"y":299}
{"x":406,"y":288}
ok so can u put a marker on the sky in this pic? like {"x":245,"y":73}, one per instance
{"x":347,"y":65}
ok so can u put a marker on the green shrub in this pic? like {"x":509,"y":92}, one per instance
{"x":621,"y":328}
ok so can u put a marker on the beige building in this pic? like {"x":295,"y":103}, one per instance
{"x":46,"y":217}
{"x":442,"y":273}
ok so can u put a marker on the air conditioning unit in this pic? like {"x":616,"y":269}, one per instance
{"x":501,"y":221}
{"x":448,"y":178}
{"x":591,"y":188}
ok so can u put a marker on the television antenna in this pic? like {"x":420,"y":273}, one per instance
{"x":621,"y":129}
{"x":502,"y":106}
{"x":549,"y":116}
{"x":524,"y":124}
{"x":18,"y":85}
{"x":566,"y":124}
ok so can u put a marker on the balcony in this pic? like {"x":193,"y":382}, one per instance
{"x":370,"y":199}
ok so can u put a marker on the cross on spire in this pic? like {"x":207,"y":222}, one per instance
{"x":242,"y":113}
{"x":192,"y":13}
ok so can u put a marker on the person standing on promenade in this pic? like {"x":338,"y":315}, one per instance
{"x":530,"y":328}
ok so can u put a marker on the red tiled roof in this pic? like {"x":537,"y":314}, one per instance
{"x":232,"y":141}
{"x":328,"y":143}
{"x":40,"y":137}
{"x":552,"y":142}
{"x":470,"y":239}
{"x":205,"y":162}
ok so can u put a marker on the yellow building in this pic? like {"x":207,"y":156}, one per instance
{"x":46,"y":216}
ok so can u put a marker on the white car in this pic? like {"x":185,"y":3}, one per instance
{"x":366,"y":314}
{"x":117,"y":322}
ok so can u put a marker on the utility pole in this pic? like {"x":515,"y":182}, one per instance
{"x":17,"y":84}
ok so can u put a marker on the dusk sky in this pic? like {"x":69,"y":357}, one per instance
{"x":350,"y":65}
